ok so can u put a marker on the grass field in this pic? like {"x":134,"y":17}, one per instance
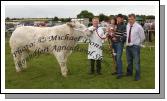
{"x":43,"y":72}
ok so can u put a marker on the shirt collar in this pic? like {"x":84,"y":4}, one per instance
{"x":132,"y":25}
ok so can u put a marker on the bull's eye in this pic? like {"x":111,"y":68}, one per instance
{"x":80,"y":26}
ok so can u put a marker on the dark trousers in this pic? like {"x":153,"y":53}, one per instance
{"x":92,"y":66}
{"x":133,"y":53}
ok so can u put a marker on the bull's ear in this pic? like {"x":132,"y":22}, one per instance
{"x":71,"y":24}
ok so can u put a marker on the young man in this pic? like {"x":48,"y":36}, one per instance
{"x":135,"y":37}
{"x":118,"y":43}
{"x":95,"y":46}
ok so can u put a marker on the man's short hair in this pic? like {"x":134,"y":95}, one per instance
{"x":132,"y":15}
{"x":95,"y":18}
{"x":119,"y":15}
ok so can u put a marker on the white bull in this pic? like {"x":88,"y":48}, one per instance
{"x":28,"y":39}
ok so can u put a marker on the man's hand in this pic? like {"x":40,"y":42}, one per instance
{"x":113,"y":35}
{"x":107,"y":34}
{"x":92,"y":29}
{"x":114,"y":39}
{"x":109,"y":47}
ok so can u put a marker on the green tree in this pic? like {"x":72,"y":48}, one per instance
{"x":103,"y":17}
{"x":67,"y":19}
{"x":150,"y":17}
{"x":62,"y":19}
{"x":125,"y":17}
{"x":55,"y":18}
{"x":85,"y":14}
{"x":7,"y":19}
{"x":112,"y":16}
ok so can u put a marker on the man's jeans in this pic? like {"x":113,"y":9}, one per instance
{"x":133,"y":53}
{"x":118,"y":48}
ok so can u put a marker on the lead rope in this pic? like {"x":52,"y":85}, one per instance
{"x":99,"y":35}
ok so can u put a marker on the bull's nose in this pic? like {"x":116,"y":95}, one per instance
{"x":86,"y":30}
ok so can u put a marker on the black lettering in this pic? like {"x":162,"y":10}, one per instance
{"x":62,"y":37}
{"x":31,"y":45}
{"x":54,"y":48}
{"x":58,"y":48}
{"x":23,"y":61}
{"x":79,"y":38}
{"x":19,"y":64}
{"x":96,"y":45}
{"x":66,"y":36}
{"x":98,"y":57}
{"x":76,"y":39}
{"x":46,"y":49}
{"x":90,"y":52}
{"x":71,"y":38}
{"x":42,"y":39}
{"x":91,"y":43}
{"x":85,"y":40}
{"x":59,"y":38}
{"x":50,"y":38}
{"x":63,"y":47}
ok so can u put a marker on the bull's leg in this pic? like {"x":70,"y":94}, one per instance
{"x":23,"y":59}
{"x":64,"y":69}
{"x":17,"y":61}
{"x":20,"y":60}
{"x":62,"y":60}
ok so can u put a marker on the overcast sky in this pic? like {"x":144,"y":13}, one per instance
{"x":34,"y":11}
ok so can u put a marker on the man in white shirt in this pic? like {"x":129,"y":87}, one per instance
{"x":135,"y":37}
{"x":95,"y":46}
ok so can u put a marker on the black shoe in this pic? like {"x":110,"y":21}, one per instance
{"x":98,"y":67}
{"x":91,"y":73}
{"x":119,"y":77}
{"x":128,"y":74}
{"x":136,"y":79}
{"x":99,"y":73}
{"x":114,"y":73}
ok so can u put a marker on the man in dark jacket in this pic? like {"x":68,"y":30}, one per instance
{"x":118,"y":43}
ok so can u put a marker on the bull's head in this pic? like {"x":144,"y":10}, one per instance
{"x":79,"y":28}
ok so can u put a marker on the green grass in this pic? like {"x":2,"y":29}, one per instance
{"x":43,"y":72}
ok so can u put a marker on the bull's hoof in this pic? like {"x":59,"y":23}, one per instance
{"x":24,"y":67}
{"x":64,"y":75}
{"x":18,"y":70}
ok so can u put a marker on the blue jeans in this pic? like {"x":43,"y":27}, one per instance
{"x":133,"y":53}
{"x":118,"y":48}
